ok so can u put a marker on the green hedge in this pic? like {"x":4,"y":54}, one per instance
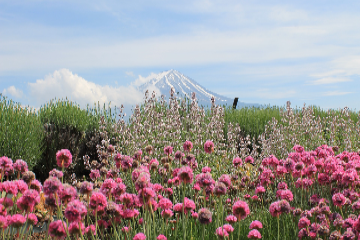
{"x":21,"y":132}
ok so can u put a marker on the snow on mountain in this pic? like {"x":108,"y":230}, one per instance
{"x":184,"y":86}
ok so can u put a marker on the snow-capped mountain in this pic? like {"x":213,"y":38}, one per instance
{"x":185,"y":86}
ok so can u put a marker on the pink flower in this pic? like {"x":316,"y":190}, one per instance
{"x":221,"y":233}
{"x":20,"y":166}
{"x":74,"y":228}
{"x":57,"y":229}
{"x":107,"y":186}
{"x":28,"y":200}
{"x":17,"y":220}
{"x":209,"y":147}
{"x":194,"y":215}
{"x":9,"y":187}
{"x":63,"y":158}
{"x":225,"y":179}
{"x":303,"y":222}
{"x":185,"y":174}
{"x":51,"y":185}
{"x":254,"y":234}
{"x":75,"y":211}
{"x":94,"y":174}
{"x":231,"y":219}
{"x":178,"y":155}
{"x":3,"y":222}
{"x":161,"y":237}
{"x":206,"y":169}
{"x":286,"y":194}
{"x":90,"y":230}
{"x":298,"y":148}
{"x":125,"y":229}
{"x":256,"y":225}
{"x":56,"y":173}
{"x":139,"y":236}
{"x":204,"y":216}
{"x":67,"y":193}
{"x":241,"y":210}
{"x":21,"y":186}
{"x":36,"y":185}
{"x":249,"y":159}
{"x":32,"y":219}
{"x":237,"y":162}
{"x":338,"y":199}
{"x":168,"y":150}
{"x":228,"y":228}
{"x":165,"y":203}
{"x":279,"y":207}
{"x":167,"y":213}
{"x":187,"y":146}
{"x":98,"y":201}
{"x":260,"y":189}
{"x":6,"y":164}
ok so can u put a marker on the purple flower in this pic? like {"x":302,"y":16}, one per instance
{"x":63,"y":158}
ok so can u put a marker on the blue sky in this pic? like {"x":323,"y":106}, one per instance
{"x":265,"y":52}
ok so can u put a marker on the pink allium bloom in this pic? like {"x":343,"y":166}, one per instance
{"x":254,"y":234}
{"x":282,"y":186}
{"x":338,"y":199}
{"x":167,"y":213}
{"x":194,"y":215}
{"x":178,"y":155}
{"x":139,"y":236}
{"x":56,"y":173}
{"x":204,"y":216}
{"x":90,"y":230}
{"x":67,"y":193}
{"x":303,"y":222}
{"x":125,"y":229}
{"x":107,"y":186}
{"x":286,"y":194}
{"x":204,"y":179}
{"x":137,"y":154}
{"x":241,"y":210}
{"x":51,"y":185}
{"x":220,"y":189}
{"x":225,"y":179}
{"x":299,"y":148}
{"x":3,"y":222}
{"x":119,"y":189}
{"x":231,"y":219}
{"x":279,"y":207}
{"x":32,"y":219}
{"x":75,"y":211}
{"x":206,"y":169}
{"x":141,"y":221}
{"x":209,"y":147}
{"x":165,"y":203}
{"x":10,"y":187}
{"x":161,"y":237}
{"x":221,"y":233}
{"x":74,"y":228}
{"x":7,"y":202}
{"x":28,"y":200}
{"x":249,"y":159}
{"x":126,"y":162}
{"x":168,"y":150}
{"x":140,"y":171}
{"x":237,"y":162}
{"x":228,"y":228}
{"x":323,"y":178}
{"x":130,"y":213}
{"x":260,"y":189}
{"x":63,"y":158}
{"x":17,"y":220}
{"x":21,"y":185}
{"x":57,"y":229}
{"x":146,"y":194}
{"x":189,"y":204}
{"x":98,"y":201}
{"x":185,"y":174}
{"x":256,"y":225}
{"x":303,"y":233}
{"x":6,"y":163}
{"x":36,"y":185}
{"x":20,"y":166}
{"x":187,"y":146}
{"x":178,"y":207}
{"x":94,"y":174}
{"x":86,"y":187}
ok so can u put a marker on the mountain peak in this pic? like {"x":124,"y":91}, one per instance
{"x":183,"y":85}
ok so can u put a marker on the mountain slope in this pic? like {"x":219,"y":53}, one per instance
{"x":185,"y":86}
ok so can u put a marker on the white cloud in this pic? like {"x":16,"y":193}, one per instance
{"x":63,"y":83}
{"x":330,"y":80}
{"x":130,"y":74}
{"x":13,"y":91}
{"x":335,"y":93}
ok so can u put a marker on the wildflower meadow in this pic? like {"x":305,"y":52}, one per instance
{"x":180,"y":171}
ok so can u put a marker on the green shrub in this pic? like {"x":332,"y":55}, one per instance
{"x":21,"y":132}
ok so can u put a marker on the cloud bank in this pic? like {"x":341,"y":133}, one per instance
{"x":63,"y":83}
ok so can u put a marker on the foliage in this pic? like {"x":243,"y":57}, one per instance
{"x":21,"y":132}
